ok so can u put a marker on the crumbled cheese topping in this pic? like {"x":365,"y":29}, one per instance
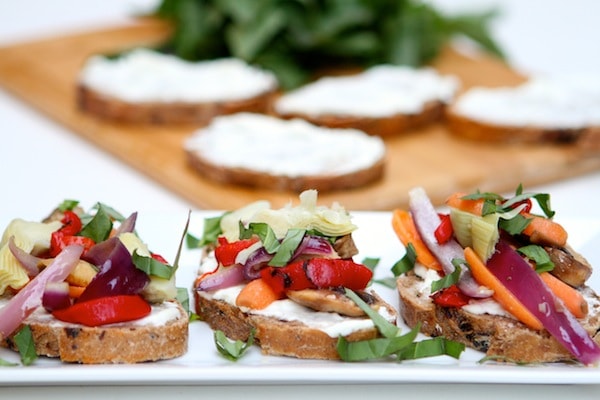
{"x":381,"y":91}
{"x":147,"y":76}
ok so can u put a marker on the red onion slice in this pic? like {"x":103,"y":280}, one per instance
{"x":30,"y":297}
{"x":427,"y":220}
{"x":223,"y":277}
{"x":27,"y":261}
{"x":522,"y":280}
{"x":56,"y":296}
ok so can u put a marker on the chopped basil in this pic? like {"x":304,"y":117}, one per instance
{"x":183,"y":297}
{"x":514,"y":225}
{"x":450,"y":279}
{"x":25,"y":345}
{"x":100,"y":226}
{"x":387,"y":282}
{"x":230,"y":349}
{"x":264,"y":232}
{"x":431,"y":348}
{"x":288,"y":247}
{"x":68,"y":205}
{"x":407,"y":262}
{"x":370,"y":262}
{"x":393,"y":343}
{"x":4,"y":363}
{"x":152,"y":267}
{"x":537,"y":254}
{"x":212,"y":230}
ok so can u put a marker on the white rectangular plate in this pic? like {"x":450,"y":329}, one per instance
{"x":202,"y":365}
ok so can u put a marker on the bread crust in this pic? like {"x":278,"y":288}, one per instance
{"x":275,"y":337}
{"x":112,"y":108}
{"x":257,"y":179}
{"x":111,"y":344}
{"x":497,"y":336}
{"x":461,"y":126}
{"x":377,"y":126}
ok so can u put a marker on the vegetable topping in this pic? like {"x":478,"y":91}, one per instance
{"x":497,"y":246}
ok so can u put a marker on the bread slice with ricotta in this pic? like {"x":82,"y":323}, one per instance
{"x":384,"y":100}
{"x":144,"y":86}
{"x":161,"y":335}
{"x":484,"y":326}
{"x":557,"y":111}
{"x":257,"y":150}
{"x":304,"y":322}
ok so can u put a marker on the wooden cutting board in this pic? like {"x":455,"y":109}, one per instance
{"x":44,"y":73}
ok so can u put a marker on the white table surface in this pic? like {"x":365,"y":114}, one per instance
{"x":42,"y":163}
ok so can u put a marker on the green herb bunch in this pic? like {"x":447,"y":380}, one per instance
{"x":297,"y":38}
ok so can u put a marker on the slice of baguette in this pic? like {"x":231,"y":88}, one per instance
{"x":275,"y":336}
{"x":145,"y":86}
{"x":538,"y":111}
{"x":495,"y":335}
{"x":124,"y":343}
{"x":112,"y":108}
{"x":384,"y":100}
{"x":261,"y":151}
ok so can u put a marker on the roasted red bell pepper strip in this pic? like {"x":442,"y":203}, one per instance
{"x":226,"y":252}
{"x":450,"y":297}
{"x":444,"y":231}
{"x":59,"y":241}
{"x":105,"y":310}
{"x":71,"y":223}
{"x":317,"y":273}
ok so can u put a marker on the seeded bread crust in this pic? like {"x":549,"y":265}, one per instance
{"x":494,"y":335}
{"x":587,"y":138}
{"x":258,"y":179}
{"x":275,"y":337}
{"x":111,"y":108}
{"x":385,"y":127}
{"x":113,"y":344}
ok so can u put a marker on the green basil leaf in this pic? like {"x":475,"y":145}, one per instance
{"x":433,"y":347}
{"x":407,"y":262}
{"x":233,"y":350}
{"x":183,"y":297}
{"x":370,"y":262}
{"x":151,"y":266}
{"x":288,"y":246}
{"x":4,"y":363}
{"x":264,"y":232}
{"x":68,"y":205}
{"x":100,"y":227}
{"x":211,"y":231}
{"x":25,"y":345}
{"x":450,"y":279}
{"x":387,"y":282}
{"x":515,"y":225}
{"x":386,"y":328}
{"x":373,"y":349}
{"x":537,"y":254}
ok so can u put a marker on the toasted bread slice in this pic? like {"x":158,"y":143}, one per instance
{"x":285,"y":155}
{"x":279,"y":337}
{"x":144,"y":86}
{"x":538,"y":111}
{"x":496,"y":335}
{"x":384,"y":100}
{"x":123,"y":343}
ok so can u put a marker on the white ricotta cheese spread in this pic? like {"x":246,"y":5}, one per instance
{"x":161,"y":314}
{"x":545,"y":103}
{"x":148,"y":76}
{"x":284,"y":147}
{"x":380,"y":91}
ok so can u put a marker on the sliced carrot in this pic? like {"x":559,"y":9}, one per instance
{"x":472,"y":206}
{"x":545,"y":231}
{"x":257,"y":294}
{"x":571,"y":297}
{"x":75,"y":291}
{"x":406,"y":231}
{"x":501,"y":294}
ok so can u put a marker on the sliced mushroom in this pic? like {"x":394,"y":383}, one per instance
{"x":569,"y":266}
{"x":335,"y":301}
{"x":344,"y":246}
